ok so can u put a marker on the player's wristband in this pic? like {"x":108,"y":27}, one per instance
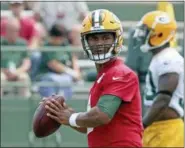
{"x":72,"y":120}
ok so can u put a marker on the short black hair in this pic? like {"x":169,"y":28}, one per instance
{"x":57,"y":31}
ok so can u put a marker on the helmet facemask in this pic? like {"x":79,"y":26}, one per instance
{"x":101,"y":53}
{"x":141,"y":34}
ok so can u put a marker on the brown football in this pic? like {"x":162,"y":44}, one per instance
{"x":42,"y":124}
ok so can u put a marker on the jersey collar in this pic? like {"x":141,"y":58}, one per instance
{"x":111,"y":63}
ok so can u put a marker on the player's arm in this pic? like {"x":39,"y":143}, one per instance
{"x":100,"y":114}
{"x":167,"y":84}
{"x":116,"y":92}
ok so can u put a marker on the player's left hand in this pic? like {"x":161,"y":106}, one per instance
{"x":58,"y":112}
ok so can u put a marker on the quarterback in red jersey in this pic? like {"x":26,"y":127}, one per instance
{"x":113,"y":117}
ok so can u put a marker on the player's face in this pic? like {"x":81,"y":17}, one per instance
{"x":100,"y":43}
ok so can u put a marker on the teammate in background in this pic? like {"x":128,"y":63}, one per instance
{"x":114,"y":116}
{"x":164,"y":92}
{"x":138,"y":60}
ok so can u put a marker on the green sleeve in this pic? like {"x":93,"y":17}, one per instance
{"x":109,"y":104}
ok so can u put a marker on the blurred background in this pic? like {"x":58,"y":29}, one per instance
{"x":41,"y":55}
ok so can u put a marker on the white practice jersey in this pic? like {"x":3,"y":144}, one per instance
{"x":167,"y":61}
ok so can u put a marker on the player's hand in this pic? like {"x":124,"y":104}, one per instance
{"x":45,"y":98}
{"x":58,"y":112}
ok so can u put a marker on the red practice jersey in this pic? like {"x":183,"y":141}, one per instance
{"x":125,"y":128}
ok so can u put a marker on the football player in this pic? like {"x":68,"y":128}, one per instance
{"x":164,"y":92}
{"x":113,"y":117}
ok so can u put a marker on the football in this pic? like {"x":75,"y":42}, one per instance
{"x":42,"y":124}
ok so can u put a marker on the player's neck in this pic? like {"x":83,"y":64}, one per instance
{"x":99,"y":67}
{"x":157,"y":50}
